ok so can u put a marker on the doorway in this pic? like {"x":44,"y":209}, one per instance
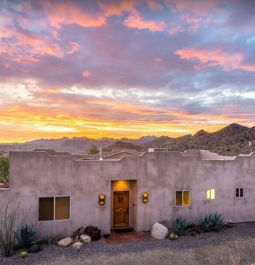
{"x":120,"y":209}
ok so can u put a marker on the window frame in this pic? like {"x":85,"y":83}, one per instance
{"x":239,"y":197}
{"x":54,"y":208}
{"x":182,"y":198}
{"x":210,"y":198}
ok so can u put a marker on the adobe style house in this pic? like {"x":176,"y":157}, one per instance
{"x":65,"y":192}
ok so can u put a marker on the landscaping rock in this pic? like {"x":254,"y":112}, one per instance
{"x":159,"y":231}
{"x":65,"y":242}
{"x":85,"y":238}
{"x":77,"y":245}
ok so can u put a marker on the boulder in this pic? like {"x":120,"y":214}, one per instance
{"x":159,"y":231}
{"x":65,"y":242}
{"x":77,"y":245}
{"x":85,"y":238}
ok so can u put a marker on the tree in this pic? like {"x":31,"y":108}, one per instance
{"x":93,"y":150}
{"x":4,"y":169}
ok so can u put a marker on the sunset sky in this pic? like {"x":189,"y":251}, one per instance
{"x":100,"y":68}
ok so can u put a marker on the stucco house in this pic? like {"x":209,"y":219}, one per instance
{"x":64,"y":192}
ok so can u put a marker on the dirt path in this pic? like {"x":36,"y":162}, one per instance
{"x":225,"y":254}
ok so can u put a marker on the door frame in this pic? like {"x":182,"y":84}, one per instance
{"x":115,"y":192}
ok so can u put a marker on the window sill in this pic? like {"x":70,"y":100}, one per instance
{"x":181,"y":206}
{"x":50,"y":221}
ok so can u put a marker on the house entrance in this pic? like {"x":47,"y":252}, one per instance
{"x":120,"y":209}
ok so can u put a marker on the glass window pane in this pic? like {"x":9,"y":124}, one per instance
{"x":237,"y":192}
{"x":62,"y":208}
{"x":208,"y":194}
{"x":185,"y":198}
{"x":212,"y":194}
{"x":178,"y":198}
{"x":241,"y":192}
{"x":46,"y":209}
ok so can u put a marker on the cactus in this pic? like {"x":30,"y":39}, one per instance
{"x":180,"y":226}
{"x":23,"y":255}
{"x":212,"y":222}
{"x":34,"y":248}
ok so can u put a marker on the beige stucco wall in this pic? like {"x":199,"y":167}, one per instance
{"x":37,"y":174}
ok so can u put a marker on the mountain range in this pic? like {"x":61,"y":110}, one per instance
{"x":231,"y":140}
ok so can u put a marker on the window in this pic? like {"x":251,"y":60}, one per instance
{"x":239,"y":193}
{"x":54,"y":208}
{"x":210,"y":194}
{"x":182,"y":198}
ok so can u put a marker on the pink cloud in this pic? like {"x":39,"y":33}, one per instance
{"x":157,"y":59}
{"x":217,"y":57}
{"x":154,"y":5}
{"x":136,"y":21}
{"x":86,"y":73}
{"x":74,"y":47}
{"x":175,"y":30}
{"x":59,"y":12}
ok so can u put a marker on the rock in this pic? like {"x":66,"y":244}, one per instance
{"x":77,"y":245}
{"x":65,"y":242}
{"x":85,"y":238}
{"x":159,"y":231}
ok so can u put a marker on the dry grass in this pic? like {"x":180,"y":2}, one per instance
{"x":238,"y":252}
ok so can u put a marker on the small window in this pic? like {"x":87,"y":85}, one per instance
{"x":239,"y":192}
{"x":54,"y":208}
{"x":210,"y":194}
{"x":182,"y":198}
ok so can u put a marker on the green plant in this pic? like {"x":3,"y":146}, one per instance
{"x":24,"y":236}
{"x":4,"y":169}
{"x":9,"y":223}
{"x":34,"y":248}
{"x":51,"y":239}
{"x":180,"y":226}
{"x":93,"y":150}
{"x":212,"y":222}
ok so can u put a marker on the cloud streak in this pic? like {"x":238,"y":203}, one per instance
{"x":124,"y":68}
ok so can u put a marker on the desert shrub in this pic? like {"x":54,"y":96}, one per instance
{"x":34,"y":248}
{"x":180,"y":226}
{"x":25,"y":236}
{"x":212,"y":222}
{"x":9,"y":223}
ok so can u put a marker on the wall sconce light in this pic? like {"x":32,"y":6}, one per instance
{"x":101,"y":199}
{"x":145,"y":197}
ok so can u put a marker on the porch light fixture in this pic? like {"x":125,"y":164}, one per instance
{"x":145,"y":197}
{"x":101,"y":199}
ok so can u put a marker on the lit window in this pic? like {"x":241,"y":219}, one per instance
{"x":54,"y":208}
{"x":239,"y":193}
{"x":210,"y":194}
{"x":182,"y":198}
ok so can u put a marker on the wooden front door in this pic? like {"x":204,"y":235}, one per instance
{"x":120,"y":209}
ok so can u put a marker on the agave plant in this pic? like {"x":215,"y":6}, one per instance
{"x":25,"y":236}
{"x":180,"y":226}
{"x":212,"y":222}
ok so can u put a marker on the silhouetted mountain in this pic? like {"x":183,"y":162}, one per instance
{"x":231,"y":140}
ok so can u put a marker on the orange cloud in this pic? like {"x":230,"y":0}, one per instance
{"x":136,"y":21}
{"x":117,"y":8}
{"x":209,"y":58}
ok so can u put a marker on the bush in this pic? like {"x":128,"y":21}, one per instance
{"x":24,"y":236}
{"x":9,"y":223}
{"x":180,"y":226}
{"x":212,"y":222}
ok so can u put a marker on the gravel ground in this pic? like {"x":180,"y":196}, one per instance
{"x":98,"y":251}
